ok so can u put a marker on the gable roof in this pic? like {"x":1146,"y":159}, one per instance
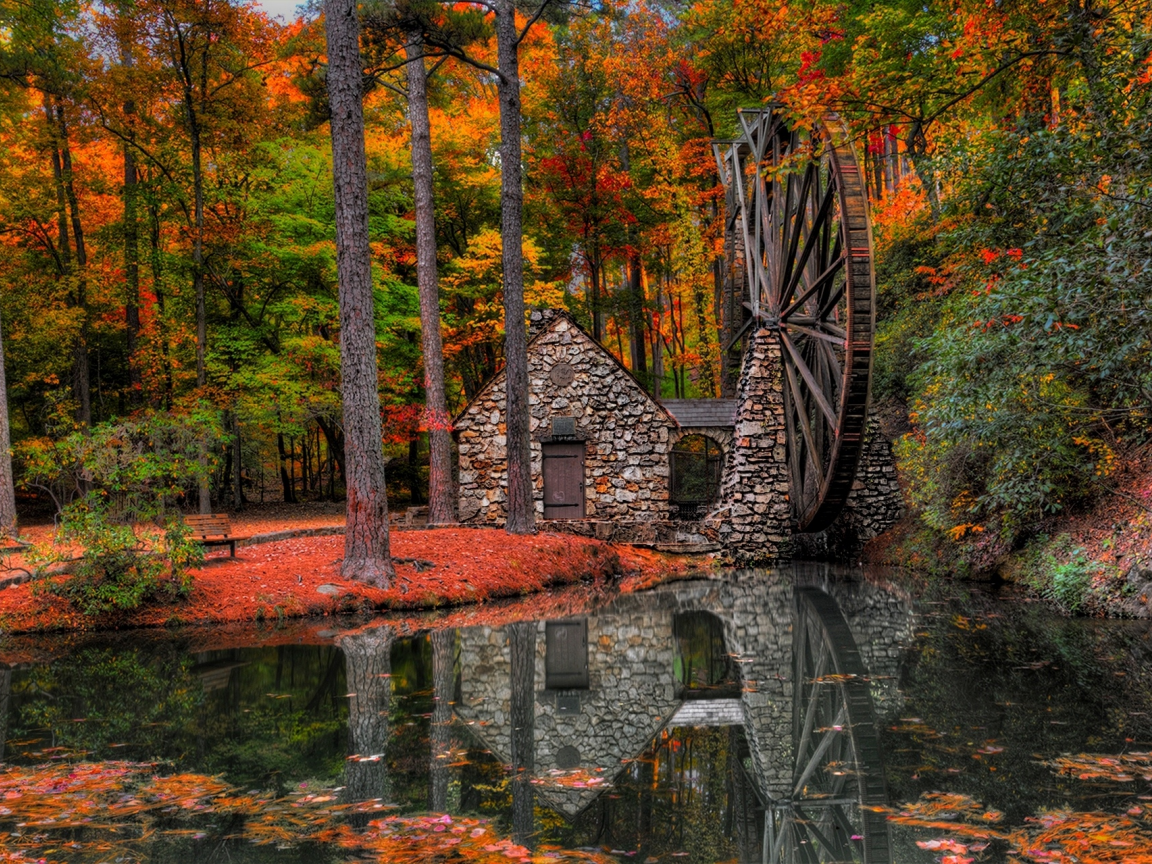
{"x":547,"y":322}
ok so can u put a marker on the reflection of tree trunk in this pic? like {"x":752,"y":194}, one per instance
{"x":443,"y":681}
{"x":522,"y":641}
{"x":368,"y":665}
{"x":5,"y":696}
{"x":645,"y":805}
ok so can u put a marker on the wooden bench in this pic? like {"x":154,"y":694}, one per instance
{"x":213,"y":530}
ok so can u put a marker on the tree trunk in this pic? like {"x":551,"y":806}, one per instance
{"x":285,"y":479}
{"x":7,"y":481}
{"x":198,"y":290}
{"x":521,"y":507}
{"x":366,"y":555}
{"x":441,"y":489}
{"x":636,"y":301}
{"x":522,"y":712}
{"x":368,"y":668}
{"x":5,"y":706}
{"x":69,"y":212}
{"x":131,"y":248}
{"x":237,"y":465}
{"x":440,"y":737}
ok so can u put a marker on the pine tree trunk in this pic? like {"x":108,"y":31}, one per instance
{"x":131,"y":248}
{"x":368,"y":668}
{"x":366,"y":555}
{"x":7,"y":481}
{"x":441,"y":489}
{"x":521,"y":507}
{"x":198,"y":290}
{"x":81,"y":376}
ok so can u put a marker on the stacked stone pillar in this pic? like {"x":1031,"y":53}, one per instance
{"x":754,"y":510}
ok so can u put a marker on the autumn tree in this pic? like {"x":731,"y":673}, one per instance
{"x":366,"y":547}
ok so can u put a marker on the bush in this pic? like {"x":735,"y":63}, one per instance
{"x":119,"y":569}
{"x":140,"y":465}
{"x":1058,"y":572}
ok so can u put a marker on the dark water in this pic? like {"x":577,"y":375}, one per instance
{"x":769,"y":716}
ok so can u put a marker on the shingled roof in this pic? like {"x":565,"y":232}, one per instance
{"x":697,"y":413}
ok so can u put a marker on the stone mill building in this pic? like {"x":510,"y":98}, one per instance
{"x":611,"y":461}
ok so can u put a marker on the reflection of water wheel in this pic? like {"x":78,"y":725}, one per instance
{"x":803,"y":246}
{"x":829,"y":814}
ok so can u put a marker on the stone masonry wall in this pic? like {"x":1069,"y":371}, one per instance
{"x":632,"y":692}
{"x":874,"y":505}
{"x":753,"y":515}
{"x":627,"y":435}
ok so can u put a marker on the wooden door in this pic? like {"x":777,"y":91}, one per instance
{"x":563,"y":480}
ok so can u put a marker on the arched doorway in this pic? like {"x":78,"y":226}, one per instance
{"x":695,"y":464}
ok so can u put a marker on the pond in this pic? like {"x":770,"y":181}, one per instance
{"x":804,"y":715}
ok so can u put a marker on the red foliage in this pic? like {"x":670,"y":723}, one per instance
{"x":280,"y":580}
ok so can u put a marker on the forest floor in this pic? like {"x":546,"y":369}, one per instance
{"x":1095,"y":558}
{"x":300,"y":576}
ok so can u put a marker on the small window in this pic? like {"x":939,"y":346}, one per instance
{"x":695,"y":465}
{"x":566,"y":655}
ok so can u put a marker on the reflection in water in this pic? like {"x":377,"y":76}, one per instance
{"x":440,"y":731}
{"x":368,"y":656}
{"x":755,"y":718}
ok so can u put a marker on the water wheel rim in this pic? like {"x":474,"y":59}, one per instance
{"x":850,"y":826}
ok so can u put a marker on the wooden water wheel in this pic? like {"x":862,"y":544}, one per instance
{"x":801,"y":244}
{"x":832,"y":812}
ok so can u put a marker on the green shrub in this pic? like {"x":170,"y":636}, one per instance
{"x":119,"y":569}
{"x":1061,"y":573}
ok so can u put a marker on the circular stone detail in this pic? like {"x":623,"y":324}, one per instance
{"x":562,"y":374}
{"x":567,"y":758}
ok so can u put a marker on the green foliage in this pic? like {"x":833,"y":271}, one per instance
{"x":119,"y":568}
{"x":1037,"y":361}
{"x":1061,"y":573}
{"x":138,"y":465}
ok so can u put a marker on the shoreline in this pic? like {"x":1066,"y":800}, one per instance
{"x":297,"y":576}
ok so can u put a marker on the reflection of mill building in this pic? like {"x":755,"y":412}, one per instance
{"x":709,"y":654}
{"x":609,"y":460}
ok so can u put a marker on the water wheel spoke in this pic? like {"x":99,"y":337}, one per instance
{"x":810,"y":711}
{"x":846,"y":826}
{"x":816,"y":334}
{"x":802,"y":415}
{"x":809,"y":852}
{"x":818,"y":754}
{"x":784,"y":830}
{"x":830,"y":843}
{"x":817,"y":285}
{"x":793,"y":270}
{"x":809,"y":244}
{"x":814,"y":389}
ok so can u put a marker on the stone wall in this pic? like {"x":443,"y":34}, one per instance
{"x":626,"y":434}
{"x":753,"y":516}
{"x":874,"y":505}
{"x":631,"y":693}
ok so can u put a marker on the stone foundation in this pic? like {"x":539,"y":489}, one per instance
{"x":874,"y":505}
{"x":753,"y":519}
